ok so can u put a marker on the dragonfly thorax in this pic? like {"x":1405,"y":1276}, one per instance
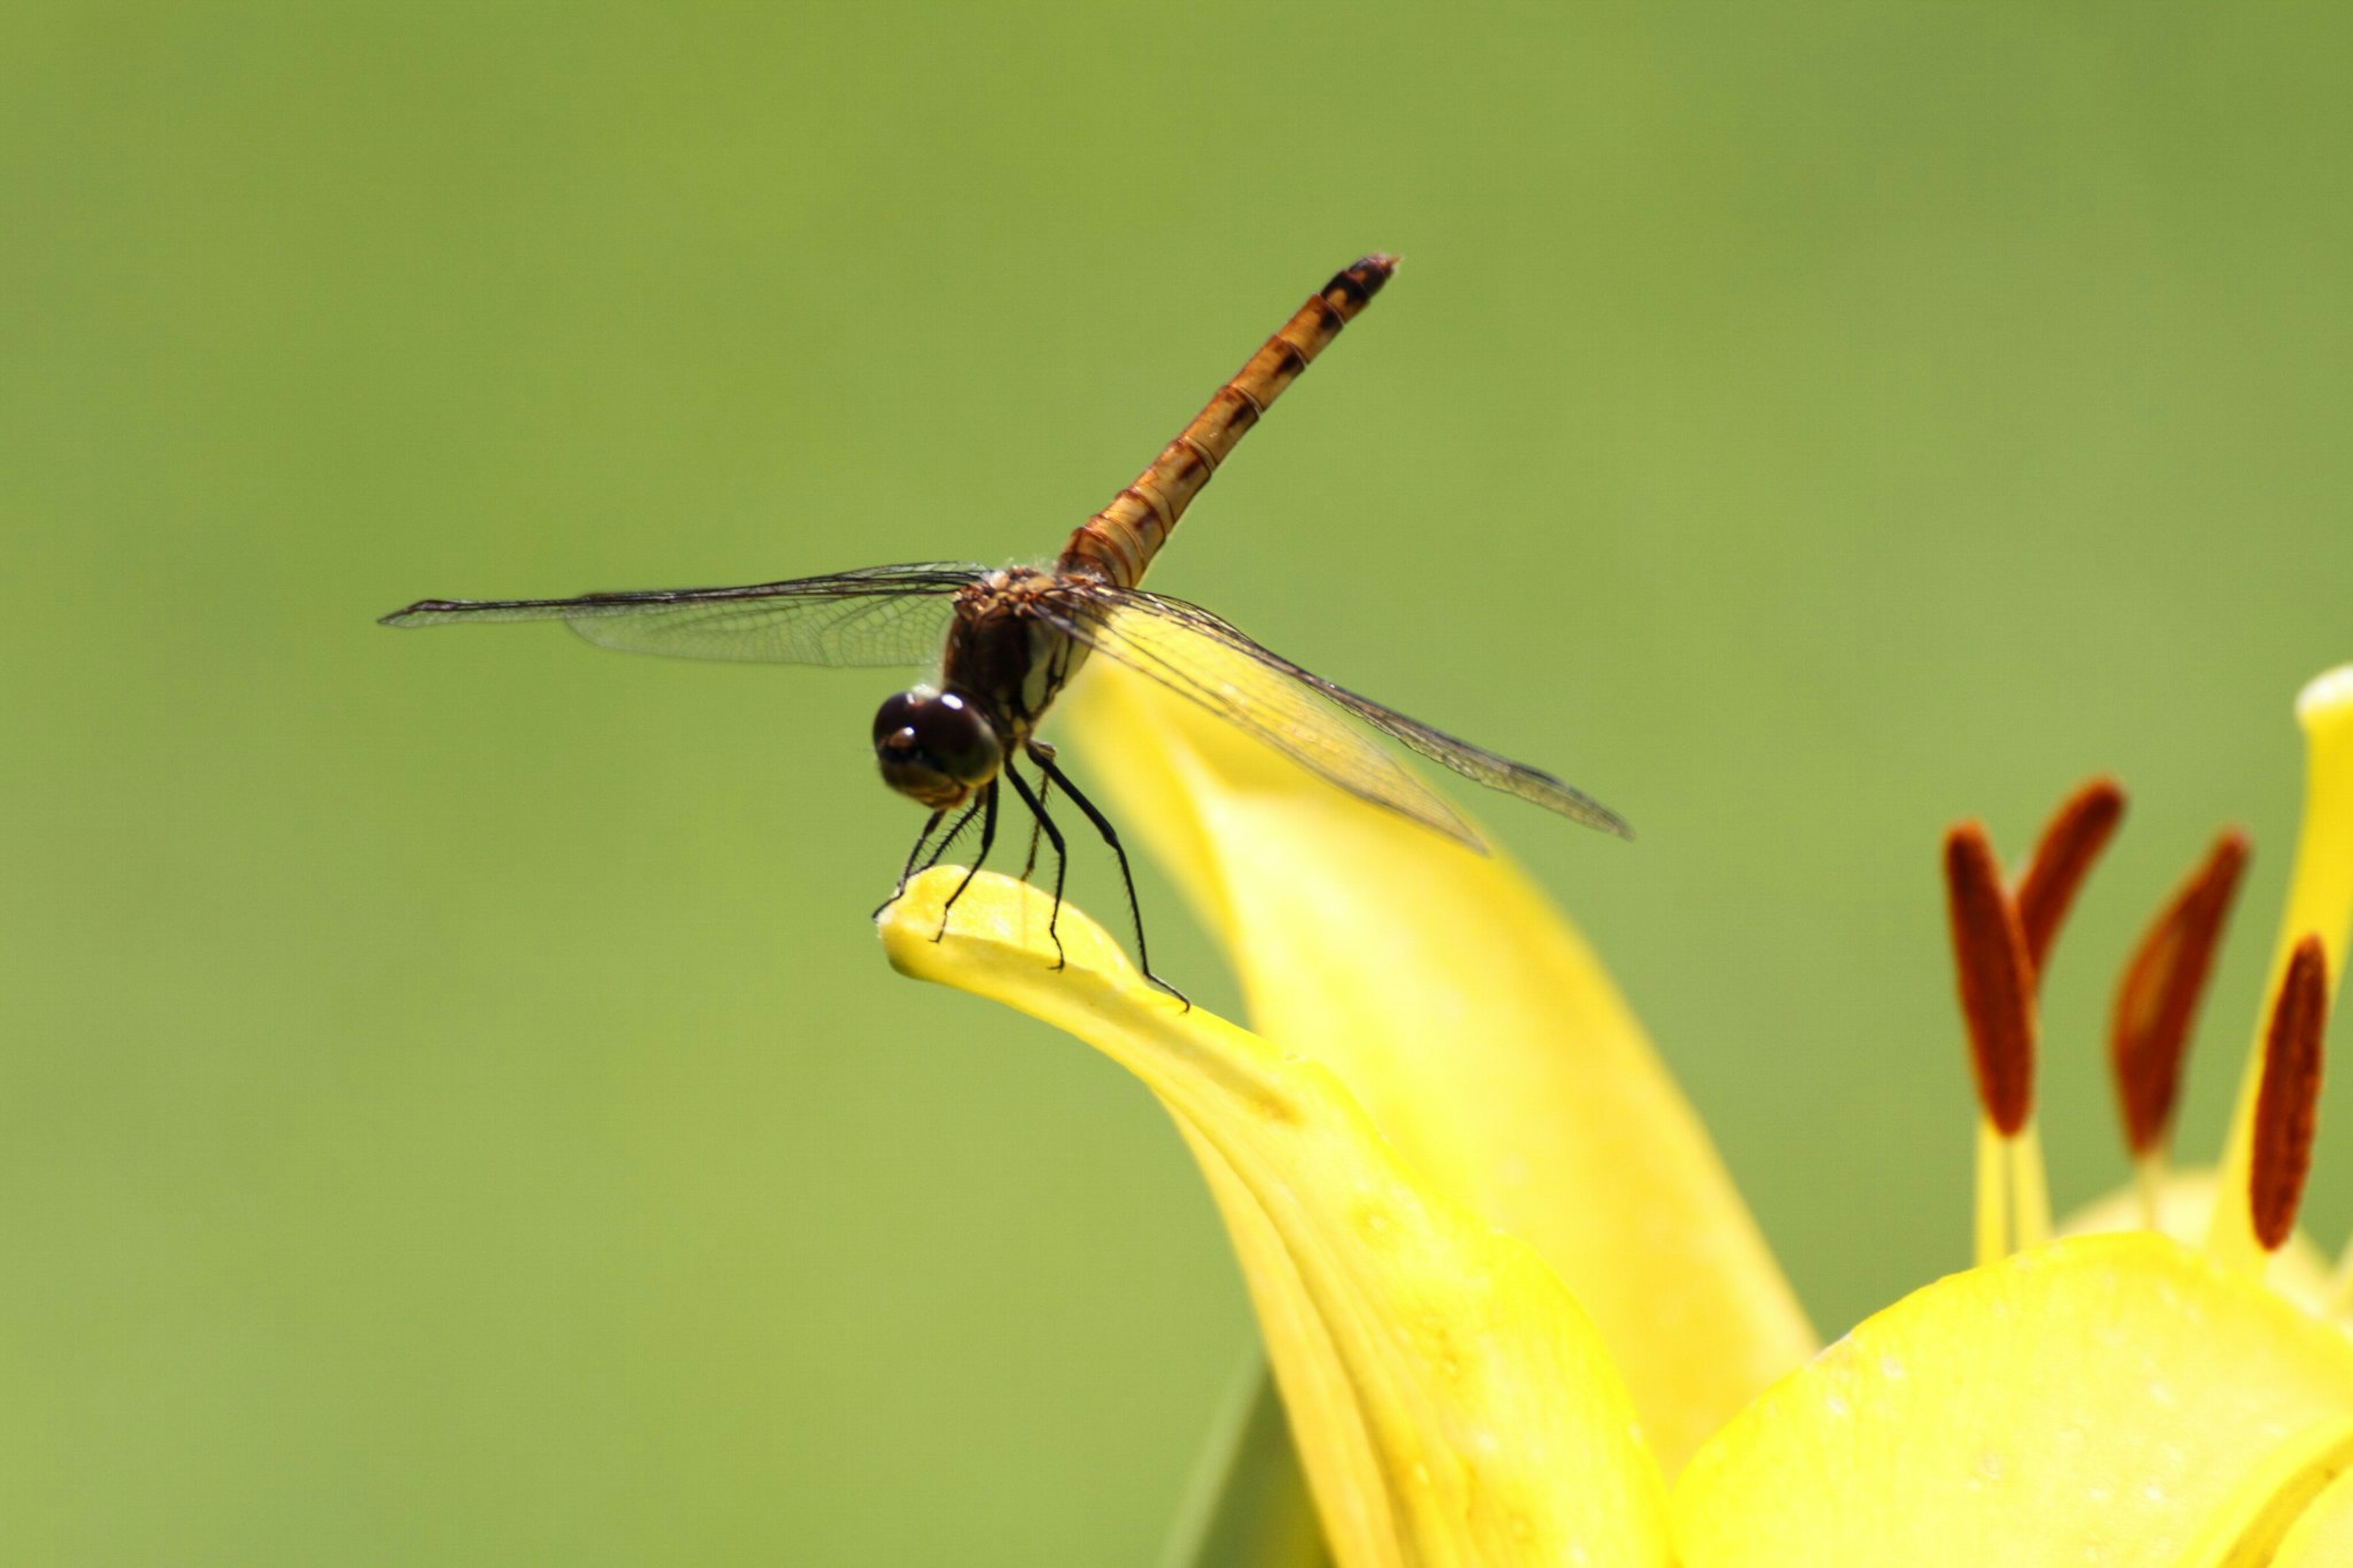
{"x":935,"y":747}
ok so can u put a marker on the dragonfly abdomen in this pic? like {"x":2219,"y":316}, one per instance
{"x":1120,"y":540}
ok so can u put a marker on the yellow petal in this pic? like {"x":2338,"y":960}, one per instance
{"x":1476,"y":1027}
{"x":2248,"y":1528}
{"x":1335,"y":1451}
{"x":1490,"y":1424}
{"x":2322,"y":1537}
{"x":2319,"y":902}
{"x":2185,"y":1207}
{"x":1247,"y":1506}
{"x":2112,"y":1399}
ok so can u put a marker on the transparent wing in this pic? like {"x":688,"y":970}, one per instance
{"x":876,"y":616}
{"x":1300,"y":713}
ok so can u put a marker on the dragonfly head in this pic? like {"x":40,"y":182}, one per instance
{"x":935,"y":747}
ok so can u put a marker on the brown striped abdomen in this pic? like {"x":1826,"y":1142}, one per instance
{"x":1120,"y":540}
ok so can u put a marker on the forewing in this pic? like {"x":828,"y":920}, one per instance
{"x":1257,"y":696}
{"x":877,"y":615}
{"x":1300,"y":713}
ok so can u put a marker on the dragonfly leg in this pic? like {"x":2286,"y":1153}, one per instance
{"x":1126,"y":875}
{"x":909,"y":869}
{"x":956,"y":831}
{"x":987,"y":842}
{"x":1037,"y":825}
{"x":1036,"y":802}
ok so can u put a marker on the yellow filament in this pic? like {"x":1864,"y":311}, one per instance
{"x":2030,"y":1188}
{"x":1993,"y":1220}
{"x":2320,"y":903}
{"x":2150,"y":1172}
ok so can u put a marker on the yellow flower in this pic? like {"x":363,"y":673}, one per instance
{"x":1516,"y":1311}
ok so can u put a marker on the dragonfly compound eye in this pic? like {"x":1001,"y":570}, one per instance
{"x":935,"y":746}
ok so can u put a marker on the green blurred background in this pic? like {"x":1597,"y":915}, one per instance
{"x":452,"y":1108}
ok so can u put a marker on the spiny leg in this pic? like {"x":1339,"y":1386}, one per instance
{"x":1037,"y":825}
{"x":987,"y":842}
{"x":1126,"y":875}
{"x":907,"y":870}
{"x":1036,"y":802}
{"x":956,"y":831}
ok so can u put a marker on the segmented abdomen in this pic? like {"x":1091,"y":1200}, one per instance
{"x":1120,"y":540}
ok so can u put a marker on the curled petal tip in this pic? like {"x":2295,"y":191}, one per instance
{"x":996,"y":924}
{"x":1461,"y":1427}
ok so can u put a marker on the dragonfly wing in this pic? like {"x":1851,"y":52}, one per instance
{"x":877,"y":615}
{"x":1198,"y":654}
{"x":1255,"y":697}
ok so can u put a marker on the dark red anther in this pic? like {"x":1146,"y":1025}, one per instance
{"x":2071,"y":843}
{"x":2288,"y":1110}
{"x":2157,"y":1000}
{"x":1996,"y":978}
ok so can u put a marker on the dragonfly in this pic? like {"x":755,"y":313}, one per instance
{"x":1005,"y":641}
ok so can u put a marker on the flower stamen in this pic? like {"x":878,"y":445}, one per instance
{"x":2072,"y":842}
{"x":1996,"y":978}
{"x":1996,"y":983}
{"x":2156,"y":1003}
{"x":2320,"y":904}
{"x":2287,"y":1108}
